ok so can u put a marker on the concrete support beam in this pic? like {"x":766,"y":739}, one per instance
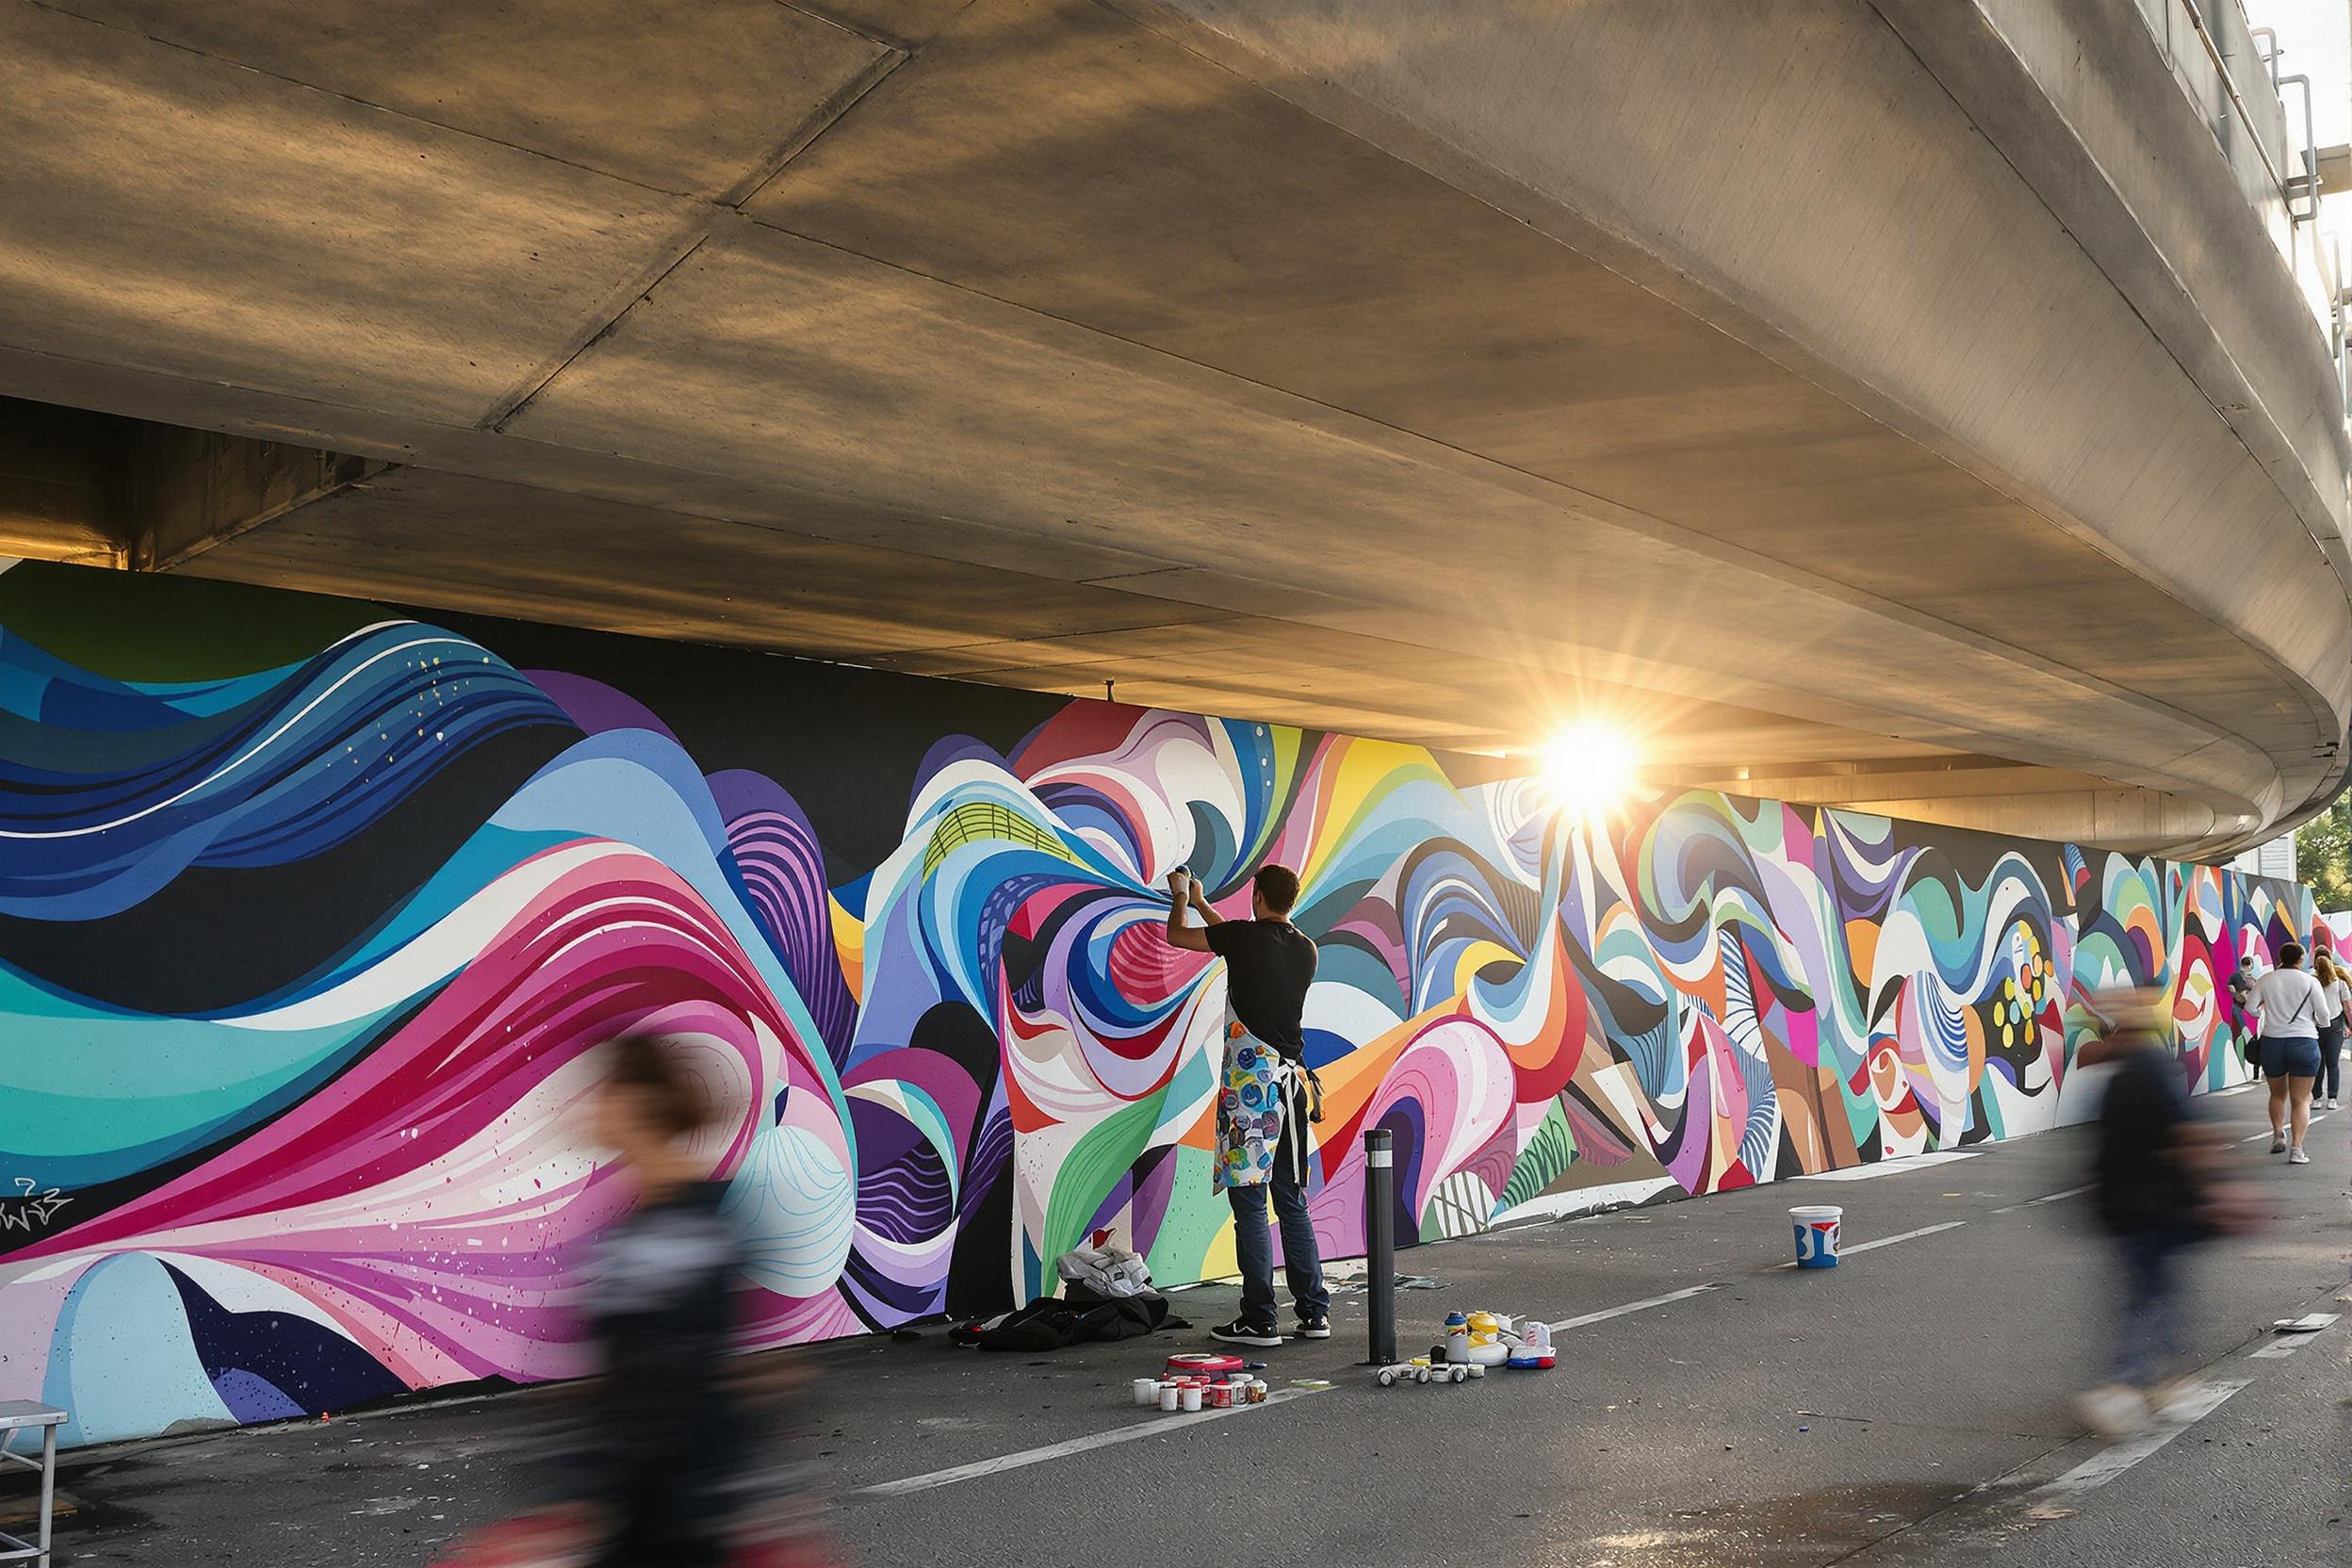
{"x":1849,"y":784}
{"x":1984,"y":794}
{"x":188,"y":490}
{"x":99,"y":490}
{"x":54,"y":501}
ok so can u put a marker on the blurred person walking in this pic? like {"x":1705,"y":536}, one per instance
{"x":661,"y":1452}
{"x":2292,"y":1007}
{"x":2328,"y":1083}
{"x":666,"y":1433}
{"x":2158,"y":1198}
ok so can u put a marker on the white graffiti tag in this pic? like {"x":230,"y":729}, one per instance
{"x":31,"y":1206}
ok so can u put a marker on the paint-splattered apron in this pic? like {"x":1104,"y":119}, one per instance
{"x":1259,"y":1093}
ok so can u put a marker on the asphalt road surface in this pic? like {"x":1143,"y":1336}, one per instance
{"x":1913,"y":1407}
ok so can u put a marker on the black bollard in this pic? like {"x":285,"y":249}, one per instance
{"x":1380,"y":1242}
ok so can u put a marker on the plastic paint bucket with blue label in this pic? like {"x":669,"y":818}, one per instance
{"x":1817,"y":1233}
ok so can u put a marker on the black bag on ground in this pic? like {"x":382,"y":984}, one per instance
{"x":1046,"y":1324}
{"x":1080,"y":1317}
{"x":1116,"y":1316}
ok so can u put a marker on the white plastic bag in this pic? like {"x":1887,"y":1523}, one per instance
{"x":1106,"y":1269}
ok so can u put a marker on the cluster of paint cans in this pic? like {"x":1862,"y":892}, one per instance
{"x":1183,"y":1392}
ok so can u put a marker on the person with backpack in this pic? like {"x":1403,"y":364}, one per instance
{"x":2292,"y":1007}
{"x":1262,"y":1106}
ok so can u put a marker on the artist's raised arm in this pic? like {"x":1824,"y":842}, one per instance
{"x":1200,"y":902}
{"x":1182,"y":892}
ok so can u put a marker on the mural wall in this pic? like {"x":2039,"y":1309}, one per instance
{"x":310,"y":914}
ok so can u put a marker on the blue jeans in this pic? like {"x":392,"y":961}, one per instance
{"x":1253,"y":1248}
{"x":2148,"y":1331}
{"x":2329,"y":1079}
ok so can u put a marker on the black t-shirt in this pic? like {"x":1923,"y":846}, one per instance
{"x":2143,"y":1181}
{"x":662,"y":1306}
{"x":1269,"y":966}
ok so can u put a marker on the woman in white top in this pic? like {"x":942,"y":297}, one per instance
{"x":2338,"y":992}
{"x":2292,"y":1009}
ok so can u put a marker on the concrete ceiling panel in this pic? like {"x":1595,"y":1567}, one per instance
{"x":412,"y":536}
{"x":1145,"y":204}
{"x":1794,"y":174}
{"x":908,"y":24}
{"x":738,"y":80}
{"x":188,"y":215}
{"x":1082,"y":343}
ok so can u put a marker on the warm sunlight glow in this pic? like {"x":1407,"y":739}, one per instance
{"x":1590,"y":769}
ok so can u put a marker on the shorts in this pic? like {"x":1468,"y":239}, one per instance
{"x":2291,"y":1058}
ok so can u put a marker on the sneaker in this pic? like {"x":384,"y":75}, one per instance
{"x":1315,"y":1328}
{"x":1242,"y":1331}
{"x":2114,"y":1411}
{"x":2278,"y":1143}
{"x":2296,"y":1157}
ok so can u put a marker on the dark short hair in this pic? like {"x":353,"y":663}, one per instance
{"x":1279,"y":887}
{"x":643,"y":1066}
{"x":2291,"y":954}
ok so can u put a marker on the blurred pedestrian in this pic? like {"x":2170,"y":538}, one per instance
{"x":2291,"y":1006}
{"x":2328,"y":1083}
{"x":2158,"y":1196}
{"x":666,"y":1435}
{"x":674,"y":1456}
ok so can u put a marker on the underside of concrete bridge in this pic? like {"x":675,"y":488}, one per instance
{"x":1891,"y":404}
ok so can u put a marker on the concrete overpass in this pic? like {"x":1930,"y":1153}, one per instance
{"x":1900,"y":403}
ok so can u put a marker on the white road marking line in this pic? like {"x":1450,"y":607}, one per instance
{"x":1891,"y":1167}
{"x":1890,"y":1241}
{"x":1003,"y":1462}
{"x":2105,"y":1465}
{"x":998,"y":1465}
{"x":2046,"y":1198}
{"x":1642,"y":1305}
{"x":2288,"y":1343}
{"x":1907,"y":1235}
{"x":2266,"y":1133}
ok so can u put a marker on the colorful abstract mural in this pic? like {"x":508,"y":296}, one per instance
{"x":311,"y":914}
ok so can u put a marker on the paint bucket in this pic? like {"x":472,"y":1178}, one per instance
{"x":1196,"y":1363}
{"x":1190,"y":1398}
{"x":1170,"y":1397}
{"x":1146,"y":1390}
{"x":1817,"y":1233}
